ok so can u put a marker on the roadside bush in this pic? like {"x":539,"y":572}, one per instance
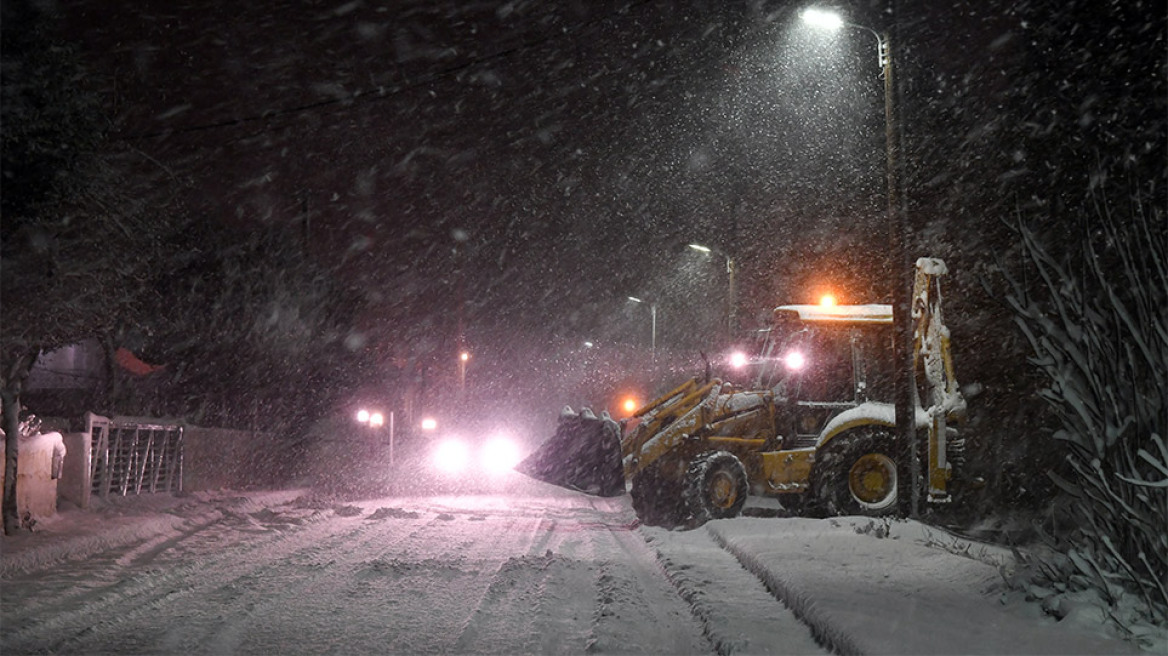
{"x":1094,"y":318}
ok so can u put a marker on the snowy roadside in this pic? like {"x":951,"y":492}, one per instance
{"x":75,"y":534}
{"x":895,"y":587}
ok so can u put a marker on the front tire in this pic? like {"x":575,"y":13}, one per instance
{"x":716,"y":486}
{"x":858,"y":475}
{"x":656,"y":498}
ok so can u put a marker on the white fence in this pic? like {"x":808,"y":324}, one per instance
{"x":132,"y":456}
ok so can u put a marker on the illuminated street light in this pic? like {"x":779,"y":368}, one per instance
{"x":376,"y":419}
{"x":429,"y":424}
{"x":731,"y":301}
{"x":629,"y":405}
{"x":821,"y":18}
{"x":363,"y":416}
{"x":902,"y":272}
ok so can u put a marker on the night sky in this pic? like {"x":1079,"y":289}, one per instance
{"x":535,"y":163}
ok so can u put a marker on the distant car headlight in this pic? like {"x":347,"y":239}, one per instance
{"x":451,"y":456}
{"x":499,"y":455}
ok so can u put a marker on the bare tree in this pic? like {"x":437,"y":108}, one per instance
{"x":251,"y":330}
{"x":76,"y":248}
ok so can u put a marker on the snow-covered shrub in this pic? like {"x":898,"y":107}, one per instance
{"x":1095,"y":321}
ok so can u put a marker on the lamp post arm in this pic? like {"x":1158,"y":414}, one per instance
{"x":881,"y":43}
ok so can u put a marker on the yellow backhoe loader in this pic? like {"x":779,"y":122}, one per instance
{"x":816,"y":430}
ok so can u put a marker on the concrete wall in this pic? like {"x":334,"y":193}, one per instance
{"x":74,"y":484}
{"x":215,"y":458}
{"x":40,"y":460}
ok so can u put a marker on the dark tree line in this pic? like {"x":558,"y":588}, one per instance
{"x":250,"y":332}
{"x":76,"y":244}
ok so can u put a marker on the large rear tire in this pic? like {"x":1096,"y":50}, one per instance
{"x":716,"y":486}
{"x":858,"y":475}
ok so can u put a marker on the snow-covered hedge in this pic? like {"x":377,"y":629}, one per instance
{"x":1095,"y":320}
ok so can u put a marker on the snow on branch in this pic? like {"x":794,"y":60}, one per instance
{"x":1097,"y":330}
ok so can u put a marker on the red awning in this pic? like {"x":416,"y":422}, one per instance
{"x":133,"y":364}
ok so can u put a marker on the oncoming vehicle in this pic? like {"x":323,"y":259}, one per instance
{"x":457,"y":456}
{"x":816,"y":430}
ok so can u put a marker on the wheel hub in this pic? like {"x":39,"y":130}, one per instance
{"x":872,"y":479}
{"x":723,"y":492}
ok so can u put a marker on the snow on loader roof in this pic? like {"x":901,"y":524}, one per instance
{"x":872,"y":313}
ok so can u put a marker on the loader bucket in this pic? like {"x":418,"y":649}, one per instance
{"x":584,"y":455}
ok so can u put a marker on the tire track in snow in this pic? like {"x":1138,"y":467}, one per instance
{"x":520,"y":580}
{"x":738,"y":614}
{"x":534,"y":603}
{"x":638,"y":608}
{"x":400,"y":593}
{"x":261,"y":602}
{"x":803,"y":607}
{"x":100,"y":613}
{"x":89,"y":604}
{"x":62,"y":580}
{"x":514,"y":615}
{"x":449,"y":597}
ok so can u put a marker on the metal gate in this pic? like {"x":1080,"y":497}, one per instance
{"x":133,"y":457}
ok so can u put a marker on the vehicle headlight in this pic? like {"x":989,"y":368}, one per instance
{"x":451,"y":456}
{"x":500,"y":454}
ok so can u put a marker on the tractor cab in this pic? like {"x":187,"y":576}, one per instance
{"x":819,"y":360}
{"x":827,"y":354}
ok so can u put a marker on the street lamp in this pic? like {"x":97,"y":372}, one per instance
{"x":731,"y":301}
{"x":463,"y":358}
{"x":902,"y":271}
{"x":653,"y":316}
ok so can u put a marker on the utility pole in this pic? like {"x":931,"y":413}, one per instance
{"x":902,"y":280}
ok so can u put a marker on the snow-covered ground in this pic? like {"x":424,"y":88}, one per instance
{"x":536,"y":570}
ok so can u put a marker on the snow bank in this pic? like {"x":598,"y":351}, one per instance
{"x":867,"y":586}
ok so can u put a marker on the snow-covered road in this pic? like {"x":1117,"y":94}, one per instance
{"x":535,"y":571}
{"x":561,"y":573}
